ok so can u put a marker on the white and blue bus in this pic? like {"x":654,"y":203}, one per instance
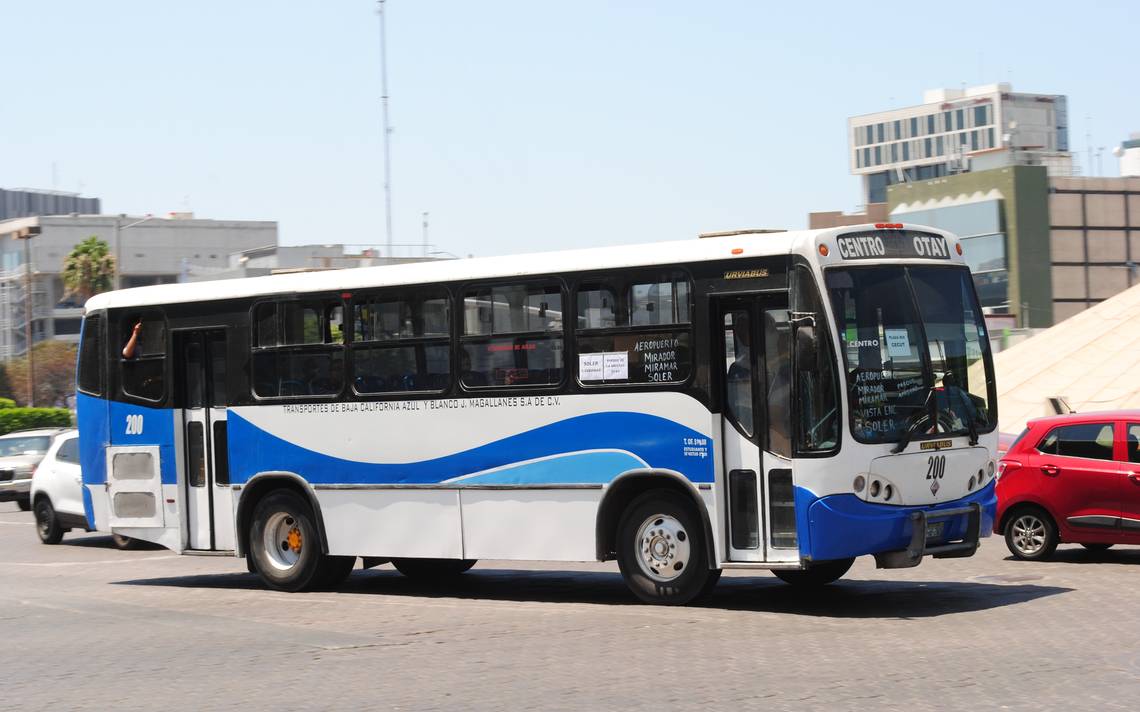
{"x":787,"y":401}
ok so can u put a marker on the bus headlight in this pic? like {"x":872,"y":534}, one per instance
{"x":990,"y":468}
{"x":859,"y":483}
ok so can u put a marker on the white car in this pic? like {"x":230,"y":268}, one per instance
{"x":20,"y":454}
{"x":57,"y":492}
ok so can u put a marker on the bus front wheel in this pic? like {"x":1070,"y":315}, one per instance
{"x":820,"y":573}
{"x":285,"y":546}
{"x":661,"y":549}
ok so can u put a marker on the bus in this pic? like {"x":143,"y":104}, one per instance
{"x":780,"y":400}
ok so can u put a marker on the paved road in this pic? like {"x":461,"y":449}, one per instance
{"x":84,"y":626}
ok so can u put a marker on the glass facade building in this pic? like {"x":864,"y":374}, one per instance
{"x":979,"y":222}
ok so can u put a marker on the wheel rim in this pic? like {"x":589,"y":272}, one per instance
{"x":283,"y":541}
{"x":1029,"y":534}
{"x":662,"y":547}
{"x":43,"y":525}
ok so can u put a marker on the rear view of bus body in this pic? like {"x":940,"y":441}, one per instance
{"x":784,"y":401}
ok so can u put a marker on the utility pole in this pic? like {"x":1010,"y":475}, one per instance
{"x":387,"y":129}
{"x":425,"y":245}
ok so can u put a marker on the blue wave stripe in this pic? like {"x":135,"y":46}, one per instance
{"x":579,"y":467}
{"x":657,"y":441}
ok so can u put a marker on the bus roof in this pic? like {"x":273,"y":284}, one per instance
{"x":480,"y":268}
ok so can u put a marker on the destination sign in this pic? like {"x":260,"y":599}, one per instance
{"x":895,"y":243}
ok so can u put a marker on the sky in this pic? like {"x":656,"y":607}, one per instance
{"x":517,"y":125}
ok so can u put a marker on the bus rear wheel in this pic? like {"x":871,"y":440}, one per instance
{"x":432,"y":569}
{"x":661,"y":549}
{"x":820,"y":573}
{"x":285,"y":546}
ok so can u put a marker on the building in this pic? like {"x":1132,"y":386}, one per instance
{"x":275,"y":259}
{"x":149,"y":250}
{"x":956,"y":131}
{"x":1042,"y":248}
{"x":1129,"y":154}
{"x":875,"y":213}
{"x":26,"y":202}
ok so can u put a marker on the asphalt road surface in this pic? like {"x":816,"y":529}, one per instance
{"x":85,"y":626}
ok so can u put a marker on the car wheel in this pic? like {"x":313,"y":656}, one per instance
{"x":1031,"y":535}
{"x":123,"y":542}
{"x":432,"y":569}
{"x":661,"y":549}
{"x":47,"y":525}
{"x":24,"y":503}
{"x":286,"y":546}
{"x":817,"y":574}
{"x":1097,"y":547}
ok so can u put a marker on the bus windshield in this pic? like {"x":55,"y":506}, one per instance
{"x":916,"y":351}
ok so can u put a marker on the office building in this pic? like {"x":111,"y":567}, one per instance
{"x":25,"y":202}
{"x":148,"y":250}
{"x":1042,"y":248}
{"x":957,"y":131}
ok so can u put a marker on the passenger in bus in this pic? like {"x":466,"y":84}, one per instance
{"x":740,"y":373}
{"x":132,"y":346}
{"x":960,"y":403}
{"x":328,"y":383}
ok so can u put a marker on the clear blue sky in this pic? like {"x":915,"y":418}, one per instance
{"x":519,"y":125}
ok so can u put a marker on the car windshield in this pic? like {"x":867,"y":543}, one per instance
{"x":916,"y":351}
{"x":20,"y":445}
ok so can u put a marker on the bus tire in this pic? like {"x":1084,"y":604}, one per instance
{"x":661,"y":549}
{"x":285,"y":545}
{"x":123,"y":543}
{"x":47,"y":524}
{"x":817,"y":574}
{"x":432,"y":569}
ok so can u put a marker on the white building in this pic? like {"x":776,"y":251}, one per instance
{"x":1129,"y":154}
{"x":956,"y":131}
{"x":148,"y":250}
{"x":275,"y":259}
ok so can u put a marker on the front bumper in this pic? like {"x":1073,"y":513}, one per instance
{"x":15,"y":489}
{"x":843,"y":526}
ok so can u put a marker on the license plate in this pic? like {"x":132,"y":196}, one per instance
{"x":934,"y":530}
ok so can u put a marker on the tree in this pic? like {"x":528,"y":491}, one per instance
{"x":89,"y":269}
{"x":55,"y":374}
{"x":5,"y":384}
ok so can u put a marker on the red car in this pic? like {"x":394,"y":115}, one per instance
{"x":1071,"y":478}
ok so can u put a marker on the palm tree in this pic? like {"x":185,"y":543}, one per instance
{"x":89,"y":269}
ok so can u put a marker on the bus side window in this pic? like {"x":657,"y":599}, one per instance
{"x":816,"y":376}
{"x":91,"y":356}
{"x":402,"y":343}
{"x":646,"y":338}
{"x":143,"y":365}
{"x":298,"y":349}
{"x":521,"y":344}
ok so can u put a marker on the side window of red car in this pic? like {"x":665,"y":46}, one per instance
{"x":1132,"y":443}
{"x":1088,"y":440}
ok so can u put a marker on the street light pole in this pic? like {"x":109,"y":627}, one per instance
{"x":387,"y":129}
{"x":119,"y":227}
{"x":26,"y":234}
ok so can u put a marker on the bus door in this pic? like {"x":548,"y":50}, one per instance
{"x":757,"y":425}
{"x":206,"y":484}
